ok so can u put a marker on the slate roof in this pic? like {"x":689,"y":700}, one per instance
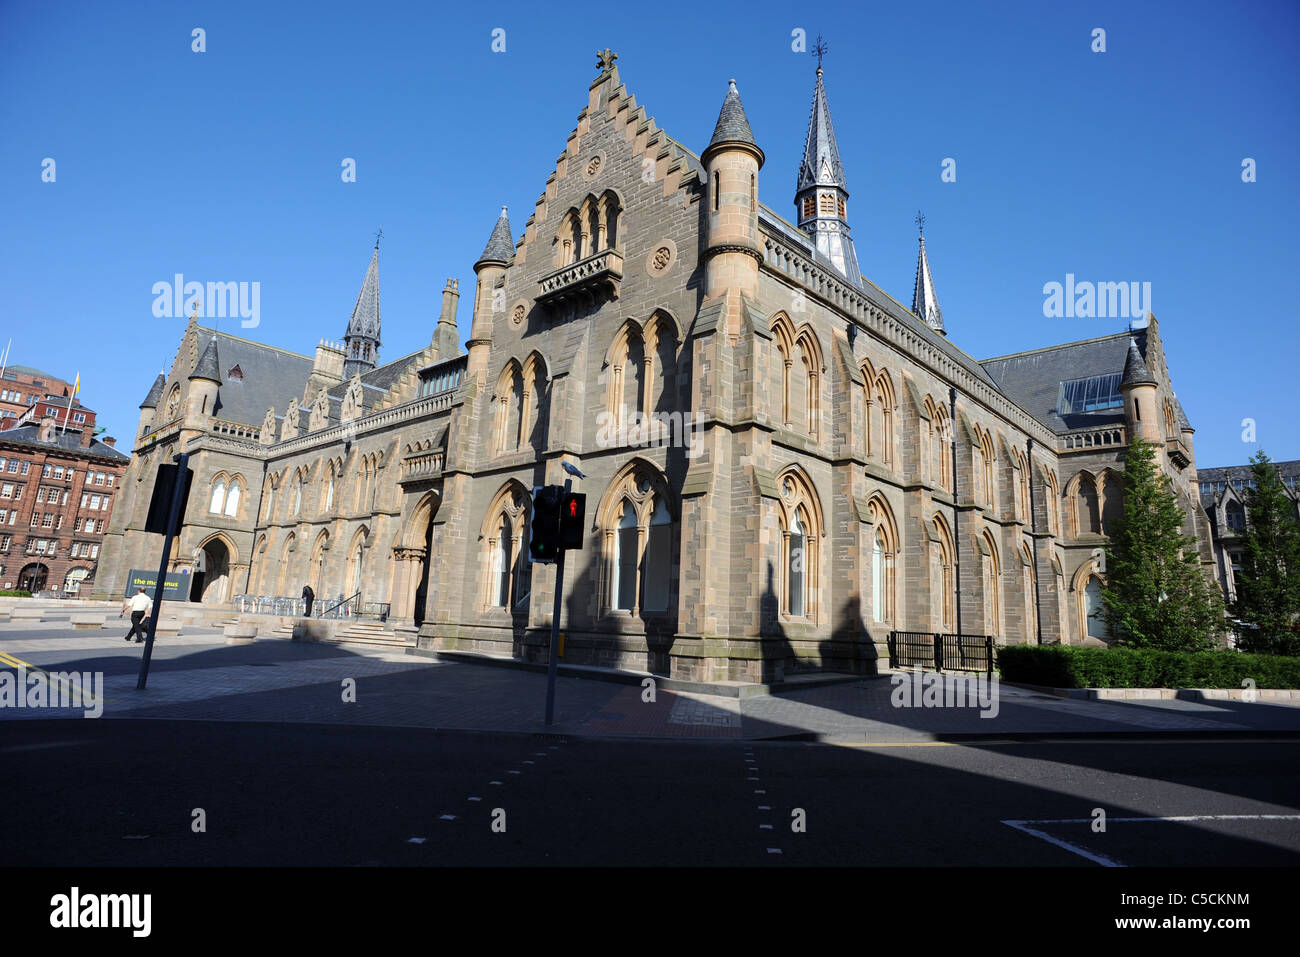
{"x":69,"y":441}
{"x":271,"y":377}
{"x":209,"y":364}
{"x":1033,"y":379}
{"x":375,"y":384}
{"x":733,"y":125}
{"x":1135,"y":368}
{"x":500,"y":247}
{"x":155,"y":393}
{"x":1233,"y":473}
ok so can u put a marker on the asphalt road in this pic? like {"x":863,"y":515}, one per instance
{"x":86,"y":793}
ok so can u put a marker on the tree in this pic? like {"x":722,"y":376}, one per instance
{"x":1155,"y":594}
{"x":1268,"y":585}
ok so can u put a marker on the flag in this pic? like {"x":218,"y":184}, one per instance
{"x":76,"y":386}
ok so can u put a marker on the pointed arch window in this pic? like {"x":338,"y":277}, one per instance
{"x":1027,"y":585}
{"x":625,"y":559}
{"x":990,"y":575}
{"x":329,"y":490}
{"x":796,"y":552}
{"x":637,"y":543}
{"x":1095,"y":625}
{"x":504,"y":538}
{"x":297,"y":494}
{"x":942,"y":595}
{"x":232,"y":499}
{"x":884,"y":550}
{"x":218,"y":497}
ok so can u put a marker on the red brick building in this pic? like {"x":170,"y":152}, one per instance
{"x":25,"y":393}
{"x":57,"y":489}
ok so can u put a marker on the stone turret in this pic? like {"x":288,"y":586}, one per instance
{"x":733,"y":250}
{"x":149,"y":407}
{"x":1138,"y":386}
{"x":490,"y":270}
{"x":205,"y":383}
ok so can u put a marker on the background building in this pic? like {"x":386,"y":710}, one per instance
{"x":783,"y":462}
{"x":57,"y":491}
{"x":26,"y":392}
{"x":1223,"y":496}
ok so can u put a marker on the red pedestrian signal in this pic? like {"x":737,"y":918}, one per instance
{"x":572,"y":513}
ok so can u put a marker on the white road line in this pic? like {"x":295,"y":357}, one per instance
{"x":1095,"y":858}
{"x":1108,"y":862}
{"x":416,"y":840}
{"x":475,"y":799}
{"x":765,"y":807}
{"x":447,"y":817}
{"x":774,"y":850}
{"x":1185,"y":817}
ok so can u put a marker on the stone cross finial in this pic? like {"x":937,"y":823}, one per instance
{"x":605,"y":59}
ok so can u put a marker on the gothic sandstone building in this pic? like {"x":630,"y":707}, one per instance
{"x":782,"y":462}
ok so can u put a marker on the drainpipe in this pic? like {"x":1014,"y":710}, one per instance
{"x":1033,"y":537}
{"x":956,"y":516}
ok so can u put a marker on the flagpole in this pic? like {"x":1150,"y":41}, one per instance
{"x":76,"y":387}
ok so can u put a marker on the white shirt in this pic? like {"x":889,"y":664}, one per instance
{"x":140,"y":602}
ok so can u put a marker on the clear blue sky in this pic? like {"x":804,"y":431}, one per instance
{"x":225,"y":165}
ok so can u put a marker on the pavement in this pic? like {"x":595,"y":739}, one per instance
{"x":199,"y":676}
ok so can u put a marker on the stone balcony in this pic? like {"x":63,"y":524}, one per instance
{"x":422,"y":465}
{"x":588,"y":277}
{"x":1178,"y":453}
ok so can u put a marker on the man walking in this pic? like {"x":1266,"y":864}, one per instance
{"x":308,"y":596}
{"x":139,"y":605}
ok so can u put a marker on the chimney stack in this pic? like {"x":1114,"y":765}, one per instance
{"x":110,"y":441}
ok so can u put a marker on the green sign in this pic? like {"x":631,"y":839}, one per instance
{"x":175,"y":588}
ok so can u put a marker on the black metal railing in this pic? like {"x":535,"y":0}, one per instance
{"x":942,"y":652}
{"x":297,"y":607}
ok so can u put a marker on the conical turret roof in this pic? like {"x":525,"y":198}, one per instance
{"x":501,"y":246}
{"x":155,"y":393}
{"x":1135,"y":368}
{"x":733,"y":124}
{"x":209,"y":364}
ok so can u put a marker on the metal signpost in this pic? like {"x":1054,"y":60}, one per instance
{"x":180,"y":486}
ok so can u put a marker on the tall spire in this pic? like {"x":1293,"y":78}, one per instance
{"x":925,"y":304}
{"x":1135,"y":368}
{"x":361,"y":341}
{"x":821,"y":190}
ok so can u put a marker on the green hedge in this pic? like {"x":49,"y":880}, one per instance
{"x":14,"y":593}
{"x":1068,"y":666}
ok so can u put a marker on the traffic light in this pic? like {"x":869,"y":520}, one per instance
{"x":573,"y":506}
{"x":544,"y":532}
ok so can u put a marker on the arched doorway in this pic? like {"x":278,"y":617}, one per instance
{"x":33,"y":577}
{"x":73,"y":580}
{"x":211,"y":578}
{"x":420,"y":538}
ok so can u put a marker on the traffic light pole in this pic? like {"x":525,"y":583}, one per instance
{"x":553,"y":667}
{"x":178,"y":496}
